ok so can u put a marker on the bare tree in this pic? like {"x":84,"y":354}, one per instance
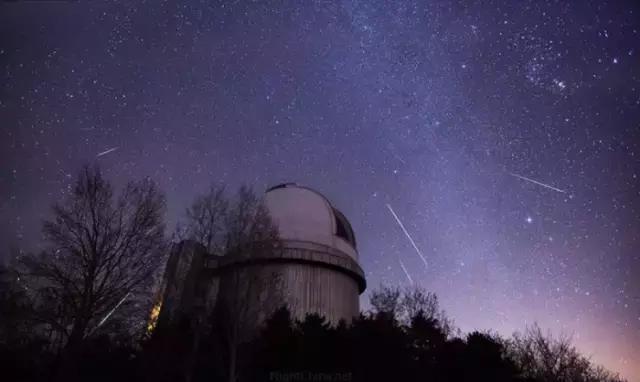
{"x":100,"y":249}
{"x":206,"y":219}
{"x":250,"y":229}
{"x":417,"y":299}
{"x":15,"y":307}
{"x":239,"y":314}
{"x":227,"y":227}
{"x":239,"y":229}
{"x":386,"y":300}
{"x":406,"y":304}
{"x":553,"y":359}
{"x":249,"y":294}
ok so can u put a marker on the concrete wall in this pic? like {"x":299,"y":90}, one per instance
{"x":316,"y":289}
{"x":181,"y":282}
{"x":308,"y":278}
{"x":304,"y":288}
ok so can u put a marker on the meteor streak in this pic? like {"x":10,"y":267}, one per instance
{"x":112,"y":310}
{"x":107,"y":152}
{"x":413,"y":243}
{"x":538,"y":183}
{"x":405,"y":272}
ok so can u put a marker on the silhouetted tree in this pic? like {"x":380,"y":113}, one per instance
{"x":230,"y":226}
{"x":106,"y":359}
{"x":426,"y":343}
{"x":486,"y":359}
{"x":238,"y":314}
{"x":379,"y":349}
{"x":416,"y":301}
{"x":241,"y":228}
{"x":318,"y":344}
{"x":405,"y":304}
{"x":15,"y":307}
{"x":276,"y":349}
{"x":206,"y":218}
{"x":100,"y":248}
{"x":547,"y":358}
{"x":387,"y":300}
{"x":22,"y":350}
{"x":167,"y":356}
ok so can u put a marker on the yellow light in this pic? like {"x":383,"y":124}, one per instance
{"x":153,"y":316}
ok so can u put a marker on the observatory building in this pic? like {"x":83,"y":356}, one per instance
{"x":315,"y":270}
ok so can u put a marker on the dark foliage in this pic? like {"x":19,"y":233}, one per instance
{"x":377,"y":346}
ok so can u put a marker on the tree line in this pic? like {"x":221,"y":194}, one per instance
{"x":79,"y":310}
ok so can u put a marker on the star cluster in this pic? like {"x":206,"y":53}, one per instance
{"x":488,"y":151}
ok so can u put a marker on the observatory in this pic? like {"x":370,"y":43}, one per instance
{"x":314,"y":270}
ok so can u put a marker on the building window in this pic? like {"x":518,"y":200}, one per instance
{"x":343,"y":228}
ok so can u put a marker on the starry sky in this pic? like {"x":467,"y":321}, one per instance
{"x":503,"y":136}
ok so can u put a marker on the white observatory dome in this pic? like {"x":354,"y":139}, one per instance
{"x":304,"y":215}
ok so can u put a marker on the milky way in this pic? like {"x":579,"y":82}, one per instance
{"x":429,"y":107}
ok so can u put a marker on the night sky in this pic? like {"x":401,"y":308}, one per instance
{"x":505,"y":137}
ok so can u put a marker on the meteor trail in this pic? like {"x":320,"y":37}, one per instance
{"x":406,"y":272}
{"x":107,"y":152}
{"x":538,"y":183}
{"x":413,"y":243}
{"x":112,"y":310}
